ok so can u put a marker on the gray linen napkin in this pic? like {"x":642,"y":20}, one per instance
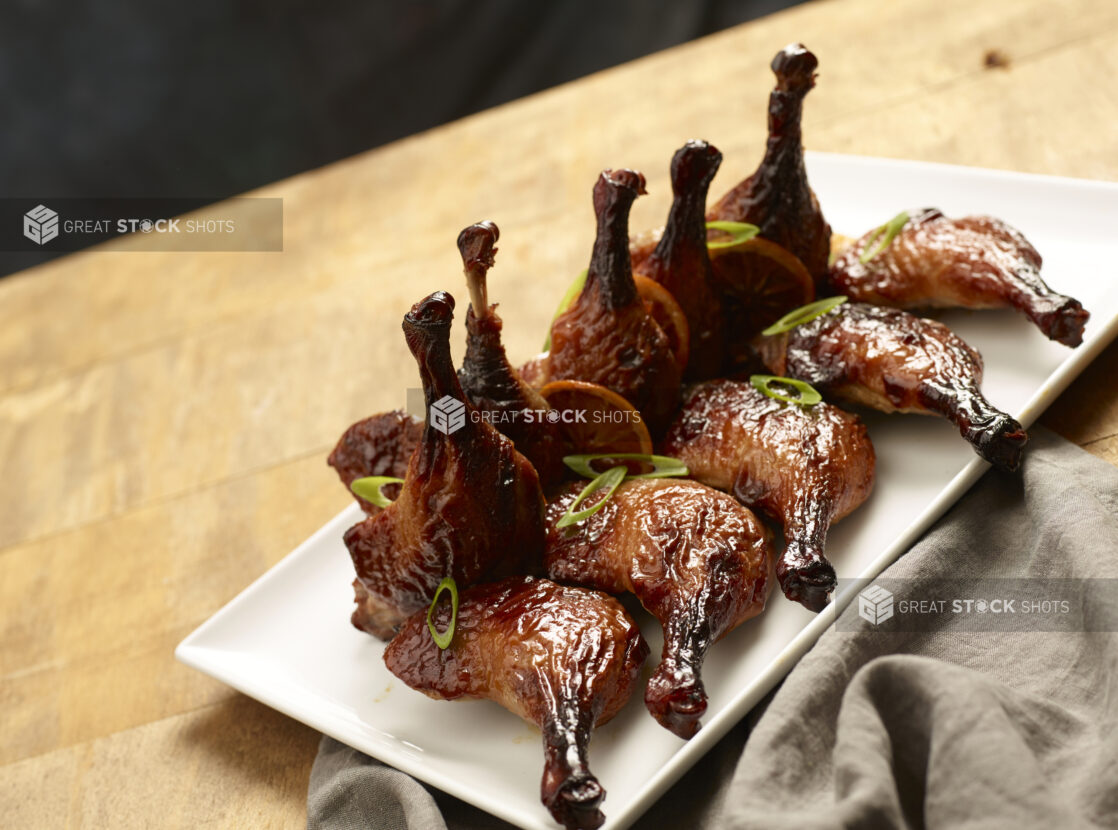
{"x":938,"y":728}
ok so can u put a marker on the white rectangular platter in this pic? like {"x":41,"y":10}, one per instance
{"x":287,"y":641}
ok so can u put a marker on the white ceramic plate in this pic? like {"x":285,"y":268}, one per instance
{"x":287,"y":641}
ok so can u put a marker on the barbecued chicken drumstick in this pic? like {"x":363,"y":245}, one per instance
{"x":681,"y":262}
{"x":696,"y":559}
{"x":777,"y":198}
{"x":806,"y":467}
{"x":487,"y":378}
{"x":973,"y":262}
{"x":607,"y":336}
{"x":893,"y":361}
{"x":566,"y":659}
{"x":470,"y":505}
{"x":381,"y":445}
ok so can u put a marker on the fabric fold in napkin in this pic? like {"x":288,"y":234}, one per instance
{"x":942,"y":727}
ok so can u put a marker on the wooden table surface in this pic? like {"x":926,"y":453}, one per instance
{"x":165,"y":417}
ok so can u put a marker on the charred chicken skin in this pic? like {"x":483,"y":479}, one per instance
{"x":381,"y":445}
{"x":607,"y":336}
{"x":566,"y":659}
{"x":893,"y":361}
{"x":681,"y":263}
{"x":777,"y":198}
{"x":973,"y":262}
{"x":696,"y":559}
{"x":487,"y":378}
{"x":470,"y":505}
{"x":806,"y":467}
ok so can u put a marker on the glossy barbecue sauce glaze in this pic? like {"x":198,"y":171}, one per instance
{"x":681,"y":263}
{"x":973,"y":262}
{"x":696,"y":559}
{"x":777,"y":197}
{"x":805,"y":467}
{"x":487,"y":377}
{"x":893,"y":361}
{"x":607,"y":336}
{"x":470,"y":505}
{"x":566,"y":659}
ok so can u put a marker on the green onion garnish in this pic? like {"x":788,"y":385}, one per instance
{"x":740,"y":232}
{"x":807,"y":394}
{"x":662,"y":465}
{"x":369,"y":489}
{"x":611,"y":478}
{"x":573,"y":291}
{"x":890,"y":229}
{"x":443,"y":640}
{"x":800,"y":315}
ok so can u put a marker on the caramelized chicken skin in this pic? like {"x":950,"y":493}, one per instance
{"x":381,"y":445}
{"x":680,"y":261}
{"x":607,"y":335}
{"x":893,"y":361}
{"x":806,"y":467}
{"x":487,"y":378}
{"x":566,"y":659}
{"x":696,"y":559}
{"x":777,"y":197}
{"x":470,"y":505}
{"x":973,"y":262}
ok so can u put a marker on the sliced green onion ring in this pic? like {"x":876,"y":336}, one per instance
{"x":803,"y":314}
{"x":807,"y":397}
{"x":443,"y":640}
{"x":662,"y":466}
{"x":890,"y":229}
{"x":573,"y":290}
{"x":740,"y":232}
{"x":611,"y":478}
{"x":369,"y":489}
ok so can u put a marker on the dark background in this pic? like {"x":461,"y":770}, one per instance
{"x":209,"y":98}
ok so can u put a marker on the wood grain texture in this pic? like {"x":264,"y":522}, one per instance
{"x":85,"y":646}
{"x":164,"y":418}
{"x":234,"y":764}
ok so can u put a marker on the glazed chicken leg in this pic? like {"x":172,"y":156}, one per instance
{"x":973,"y":262}
{"x":565,"y":659}
{"x":890,"y":360}
{"x":777,"y":198}
{"x":696,"y":559}
{"x":681,"y":262}
{"x":487,"y":378}
{"x":607,"y":336}
{"x":806,"y":467}
{"x":470,"y":505}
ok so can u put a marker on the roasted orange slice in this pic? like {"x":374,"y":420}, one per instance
{"x":594,"y":419}
{"x":759,"y":281}
{"x":668,"y":315}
